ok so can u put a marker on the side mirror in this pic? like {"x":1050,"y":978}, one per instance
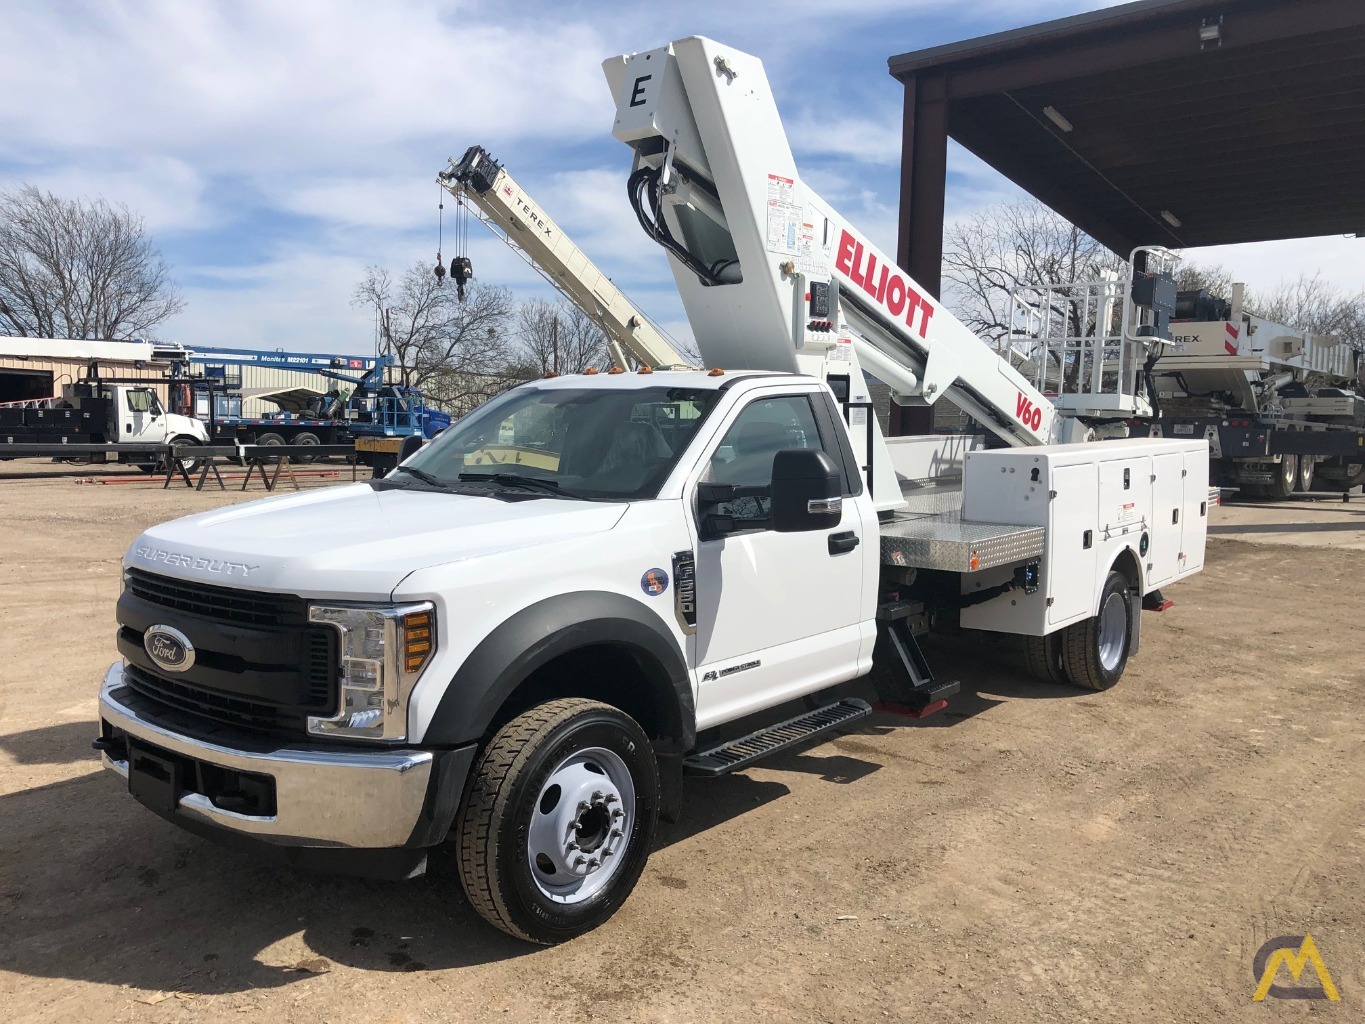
{"x":806,"y":491}
{"x":410,"y":446}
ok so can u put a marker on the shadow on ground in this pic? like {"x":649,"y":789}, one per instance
{"x":95,"y":888}
{"x":53,"y":744}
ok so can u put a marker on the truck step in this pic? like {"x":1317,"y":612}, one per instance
{"x":742,"y":752}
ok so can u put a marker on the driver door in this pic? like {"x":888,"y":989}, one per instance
{"x":141,"y":419}
{"x":778,"y":614}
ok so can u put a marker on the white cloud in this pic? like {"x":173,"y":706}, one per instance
{"x":308,"y":83}
{"x":1263,"y":265}
{"x":167,"y":192}
{"x":862,"y":139}
{"x":282,"y":147}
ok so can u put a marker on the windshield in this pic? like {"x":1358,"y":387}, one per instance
{"x":603,"y":444}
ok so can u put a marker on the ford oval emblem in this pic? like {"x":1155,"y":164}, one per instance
{"x":168,"y":648}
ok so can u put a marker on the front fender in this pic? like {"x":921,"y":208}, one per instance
{"x":541,"y":632}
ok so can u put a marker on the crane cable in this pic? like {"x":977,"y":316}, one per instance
{"x":440,"y":234}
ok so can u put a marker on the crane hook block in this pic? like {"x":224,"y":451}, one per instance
{"x":440,"y":270}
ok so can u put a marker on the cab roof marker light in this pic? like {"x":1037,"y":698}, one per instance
{"x":717,"y":372}
{"x":645,"y":369}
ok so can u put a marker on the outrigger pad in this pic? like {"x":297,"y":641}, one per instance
{"x":1154,"y":602}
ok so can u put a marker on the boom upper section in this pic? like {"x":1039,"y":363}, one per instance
{"x":772,"y":276}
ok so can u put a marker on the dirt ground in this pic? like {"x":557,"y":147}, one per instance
{"x":1034,"y":853}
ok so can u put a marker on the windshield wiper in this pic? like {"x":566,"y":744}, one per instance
{"x":424,"y":476}
{"x":533,"y":483}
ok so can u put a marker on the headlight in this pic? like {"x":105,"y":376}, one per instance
{"x":384,"y":649}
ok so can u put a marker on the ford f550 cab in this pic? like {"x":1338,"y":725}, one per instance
{"x":525,"y":636}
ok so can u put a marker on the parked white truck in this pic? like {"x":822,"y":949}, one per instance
{"x":524,"y":637}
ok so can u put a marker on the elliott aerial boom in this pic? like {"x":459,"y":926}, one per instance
{"x":771,"y":275}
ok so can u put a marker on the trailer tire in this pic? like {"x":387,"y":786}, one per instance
{"x":1043,"y":658}
{"x":1095,"y":652}
{"x":569,"y":782}
{"x":307,"y":439}
{"x":1287,"y":474}
{"x":270,"y":441}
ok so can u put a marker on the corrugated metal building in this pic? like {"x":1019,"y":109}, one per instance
{"x":39,"y":367}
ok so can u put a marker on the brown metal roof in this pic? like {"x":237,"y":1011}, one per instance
{"x":1256,"y":135}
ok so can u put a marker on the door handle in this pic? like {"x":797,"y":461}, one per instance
{"x":840,"y":543}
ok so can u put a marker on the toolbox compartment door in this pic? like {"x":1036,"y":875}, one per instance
{"x":1072,"y":543}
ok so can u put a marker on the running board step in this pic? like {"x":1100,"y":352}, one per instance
{"x":740,"y":753}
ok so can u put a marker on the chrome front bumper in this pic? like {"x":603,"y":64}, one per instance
{"x":323,"y":798}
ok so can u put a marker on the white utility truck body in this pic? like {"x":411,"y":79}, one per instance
{"x":525,"y":636}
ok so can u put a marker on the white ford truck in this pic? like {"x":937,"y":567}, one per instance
{"x":525,"y":637}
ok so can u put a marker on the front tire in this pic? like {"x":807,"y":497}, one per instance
{"x":558,"y":821}
{"x":1095,"y":652}
{"x":181,"y":443}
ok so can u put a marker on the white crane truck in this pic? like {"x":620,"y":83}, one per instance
{"x":688,"y":571}
{"x":1279,"y":406}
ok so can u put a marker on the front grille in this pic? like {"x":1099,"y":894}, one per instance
{"x":260,"y":664}
{"x":245,"y":607}
{"x":256,"y":716}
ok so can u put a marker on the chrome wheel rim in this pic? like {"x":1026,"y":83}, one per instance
{"x":1113,"y":631}
{"x":580,"y":825}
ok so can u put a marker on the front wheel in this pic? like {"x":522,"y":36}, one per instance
{"x":556,"y":827}
{"x":183,"y":445}
{"x":1095,"y":652}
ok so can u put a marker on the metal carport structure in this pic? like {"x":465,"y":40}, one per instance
{"x":1163,"y":122}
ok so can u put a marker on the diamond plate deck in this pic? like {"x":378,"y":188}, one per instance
{"x":944,"y":541}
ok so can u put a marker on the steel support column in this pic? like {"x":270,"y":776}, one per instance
{"x":924,"y":182}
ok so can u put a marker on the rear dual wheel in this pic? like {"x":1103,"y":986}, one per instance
{"x":1285,"y":478}
{"x":1307,"y":467}
{"x":1091,"y":654}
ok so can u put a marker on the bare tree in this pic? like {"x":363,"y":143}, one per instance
{"x":559,"y":338}
{"x":996,"y":250}
{"x":1214,"y":279}
{"x":76,"y":269}
{"x":436,"y":339}
{"x":1314,"y":305}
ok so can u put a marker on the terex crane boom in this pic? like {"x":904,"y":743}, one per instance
{"x":770,"y":273}
{"x":501,"y":203}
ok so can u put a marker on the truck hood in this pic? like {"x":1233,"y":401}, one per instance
{"x":352,"y":541}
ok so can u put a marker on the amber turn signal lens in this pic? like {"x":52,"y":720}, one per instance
{"x":417,"y":640}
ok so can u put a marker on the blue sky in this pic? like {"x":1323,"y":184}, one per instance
{"x":277,"y":148}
